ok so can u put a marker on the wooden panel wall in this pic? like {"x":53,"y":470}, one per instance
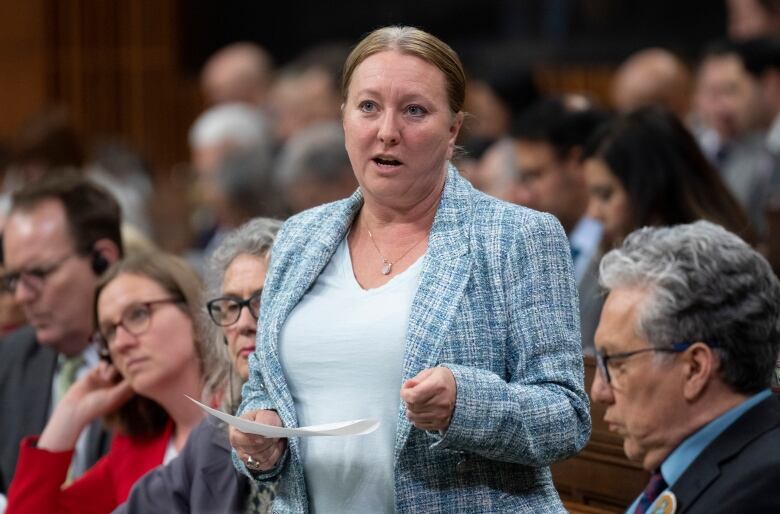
{"x":23,"y":63}
{"x":115,"y":68}
{"x":593,"y":81}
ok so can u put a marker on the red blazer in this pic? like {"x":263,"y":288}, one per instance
{"x":40,"y":474}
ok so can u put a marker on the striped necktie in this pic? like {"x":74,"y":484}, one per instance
{"x":655,"y":487}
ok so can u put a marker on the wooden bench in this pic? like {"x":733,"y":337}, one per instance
{"x":579,"y":508}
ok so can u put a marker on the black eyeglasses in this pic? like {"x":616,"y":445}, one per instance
{"x":226,"y":310}
{"x":602,"y":359}
{"x":136,"y":319}
{"x":33,"y":278}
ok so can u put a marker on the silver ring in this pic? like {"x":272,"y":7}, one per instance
{"x":252,"y":463}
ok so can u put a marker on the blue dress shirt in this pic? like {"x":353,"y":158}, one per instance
{"x":678,"y":461}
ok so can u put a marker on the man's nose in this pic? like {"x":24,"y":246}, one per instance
{"x":600,"y":391}
{"x":24,"y":293}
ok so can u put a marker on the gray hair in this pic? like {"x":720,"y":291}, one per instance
{"x":255,"y":238}
{"x":317,"y":152}
{"x":235,"y":124}
{"x":246,"y":179}
{"x":704,"y":284}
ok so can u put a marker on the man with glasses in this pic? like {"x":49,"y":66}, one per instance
{"x":686,"y":348}
{"x":60,"y":235}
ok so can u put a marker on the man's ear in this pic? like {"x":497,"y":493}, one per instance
{"x":700,"y":364}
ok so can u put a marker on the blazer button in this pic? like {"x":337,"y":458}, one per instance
{"x":462,"y":466}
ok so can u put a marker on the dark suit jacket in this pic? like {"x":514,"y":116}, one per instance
{"x":740,"y":470}
{"x":26,"y":374}
{"x":201,"y":480}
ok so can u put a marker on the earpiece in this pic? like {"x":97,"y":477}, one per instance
{"x":99,"y":263}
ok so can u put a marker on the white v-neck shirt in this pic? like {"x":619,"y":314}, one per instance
{"x":342,"y":353}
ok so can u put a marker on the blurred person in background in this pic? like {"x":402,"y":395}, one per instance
{"x":202,"y":479}
{"x":731,"y":124}
{"x":46,"y":144}
{"x":11,"y":312}
{"x":313,"y":168}
{"x":493,"y":98}
{"x":245,"y":188}
{"x":147,"y":312}
{"x":548,"y":139}
{"x":645,"y":169}
{"x":653,"y":76}
{"x":238,"y":73}
{"x":752,"y":18}
{"x":762,"y":60}
{"x":307,"y":91}
{"x":221,"y":131}
{"x":116,"y":166}
{"x":494,"y":170}
{"x":62,"y":233}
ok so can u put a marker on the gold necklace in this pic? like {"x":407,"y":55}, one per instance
{"x":387,"y":266}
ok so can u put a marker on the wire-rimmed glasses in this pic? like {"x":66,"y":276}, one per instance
{"x":603,"y":360}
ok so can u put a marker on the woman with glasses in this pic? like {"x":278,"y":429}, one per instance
{"x":202,"y":479}
{"x":147,"y":310}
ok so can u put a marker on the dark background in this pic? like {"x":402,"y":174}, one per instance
{"x":596,"y":31}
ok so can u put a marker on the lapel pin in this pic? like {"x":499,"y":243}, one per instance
{"x":665,"y":504}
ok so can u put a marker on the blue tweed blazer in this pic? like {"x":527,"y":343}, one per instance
{"x":497,"y":304}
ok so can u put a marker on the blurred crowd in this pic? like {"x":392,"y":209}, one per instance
{"x":678,"y":141}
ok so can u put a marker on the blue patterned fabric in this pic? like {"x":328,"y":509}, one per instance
{"x":497,"y":304}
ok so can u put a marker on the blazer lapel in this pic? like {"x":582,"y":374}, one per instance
{"x":445,"y":273}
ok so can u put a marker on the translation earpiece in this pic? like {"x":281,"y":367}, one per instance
{"x":99,"y":263}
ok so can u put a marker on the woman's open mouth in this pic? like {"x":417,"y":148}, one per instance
{"x":384,"y":162}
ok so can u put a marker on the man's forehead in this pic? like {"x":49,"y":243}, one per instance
{"x":41,"y":224}
{"x":617,"y":327}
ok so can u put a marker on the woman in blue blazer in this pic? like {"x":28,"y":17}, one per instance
{"x":447,"y":314}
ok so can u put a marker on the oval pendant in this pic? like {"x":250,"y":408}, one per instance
{"x":386,"y":267}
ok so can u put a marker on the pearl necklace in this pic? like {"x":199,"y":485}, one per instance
{"x":387,"y":266}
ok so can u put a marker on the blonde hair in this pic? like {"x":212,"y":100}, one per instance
{"x":417,"y":43}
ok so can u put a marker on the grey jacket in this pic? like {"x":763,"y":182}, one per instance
{"x":200,"y":480}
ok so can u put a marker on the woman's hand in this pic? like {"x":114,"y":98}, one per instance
{"x":430,"y":398}
{"x":95,"y":394}
{"x":258,"y":453}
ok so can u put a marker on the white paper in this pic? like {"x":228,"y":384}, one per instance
{"x":355,"y":427}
